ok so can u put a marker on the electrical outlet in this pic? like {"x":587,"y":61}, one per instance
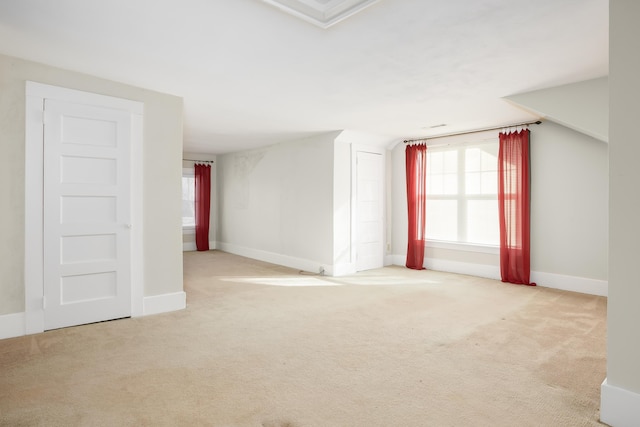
{"x":321,"y":270}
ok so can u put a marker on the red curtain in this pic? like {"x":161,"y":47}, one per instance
{"x":513,"y":199}
{"x":202,"y":205}
{"x":416,"y":168}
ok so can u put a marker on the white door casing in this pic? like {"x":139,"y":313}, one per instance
{"x":369,"y":205}
{"x":86,"y":214}
{"x":87,"y":251}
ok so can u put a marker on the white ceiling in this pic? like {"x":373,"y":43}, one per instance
{"x":252,"y":75}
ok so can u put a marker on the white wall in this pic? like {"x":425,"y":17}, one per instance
{"x":276,"y":203}
{"x":621,"y":390}
{"x":291,"y":203}
{"x":162,"y":150}
{"x":342,"y":233}
{"x":568,"y":214}
{"x":569,"y":203}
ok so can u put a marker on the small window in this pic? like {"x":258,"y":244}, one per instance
{"x":462,"y":194}
{"x":188,"y":199}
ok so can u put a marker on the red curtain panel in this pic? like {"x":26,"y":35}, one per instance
{"x":202,"y":205}
{"x":513,"y":199}
{"x":416,"y":168}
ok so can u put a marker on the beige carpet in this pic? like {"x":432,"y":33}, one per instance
{"x":261,"y":345}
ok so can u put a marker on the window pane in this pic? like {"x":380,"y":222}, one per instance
{"x":188,"y":197}
{"x":442,"y":220}
{"x":442,"y":184}
{"x":451,"y":161}
{"x":442,"y":172}
{"x":473,"y":182}
{"x":436,"y":162}
{"x":472,"y":158}
{"x":481,"y":164}
{"x":188,"y":188}
{"x":434,"y":184}
{"x":490,"y":157}
{"x":482,"y":222}
{"x":450,"y":184}
{"x":472,"y":170}
{"x":490,"y":182}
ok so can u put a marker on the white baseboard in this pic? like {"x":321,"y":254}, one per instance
{"x":571,"y":283}
{"x":12,"y":325}
{"x":546,"y":280}
{"x":191,"y":246}
{"x":279,"y":259}
{"x":395,"y":259}
{"x":164,"y":303}
{"x":471,"y":269}
{"x":619,"y":407}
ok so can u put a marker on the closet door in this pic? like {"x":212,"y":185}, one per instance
{"x":369,"y":211}
{"x":87,"y":213}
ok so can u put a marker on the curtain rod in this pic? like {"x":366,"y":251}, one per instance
{"x":198,"y":161}
{"x":471,"y":131}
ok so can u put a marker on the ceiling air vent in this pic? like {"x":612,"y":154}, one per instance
{"x":323,"y":13}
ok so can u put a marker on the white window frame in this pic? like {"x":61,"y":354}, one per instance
{"x":462,"y":198}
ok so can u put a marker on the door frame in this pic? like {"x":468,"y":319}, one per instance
{"x":355,"y":149}
{"x":36,"y":93}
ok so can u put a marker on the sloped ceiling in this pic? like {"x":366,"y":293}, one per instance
{"x":582,"y":106}
{"x":251,"y":75}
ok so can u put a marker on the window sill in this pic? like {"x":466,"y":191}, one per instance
{"x":466,"y":247}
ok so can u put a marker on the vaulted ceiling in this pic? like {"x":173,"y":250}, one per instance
{"x":251,"y":74}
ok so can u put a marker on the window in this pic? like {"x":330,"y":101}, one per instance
{"x":188,"y":199}
{"x":462,"y":194}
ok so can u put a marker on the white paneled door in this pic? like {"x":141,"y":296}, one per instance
{"x":86,"y":214}
{"x":369,"y":211}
